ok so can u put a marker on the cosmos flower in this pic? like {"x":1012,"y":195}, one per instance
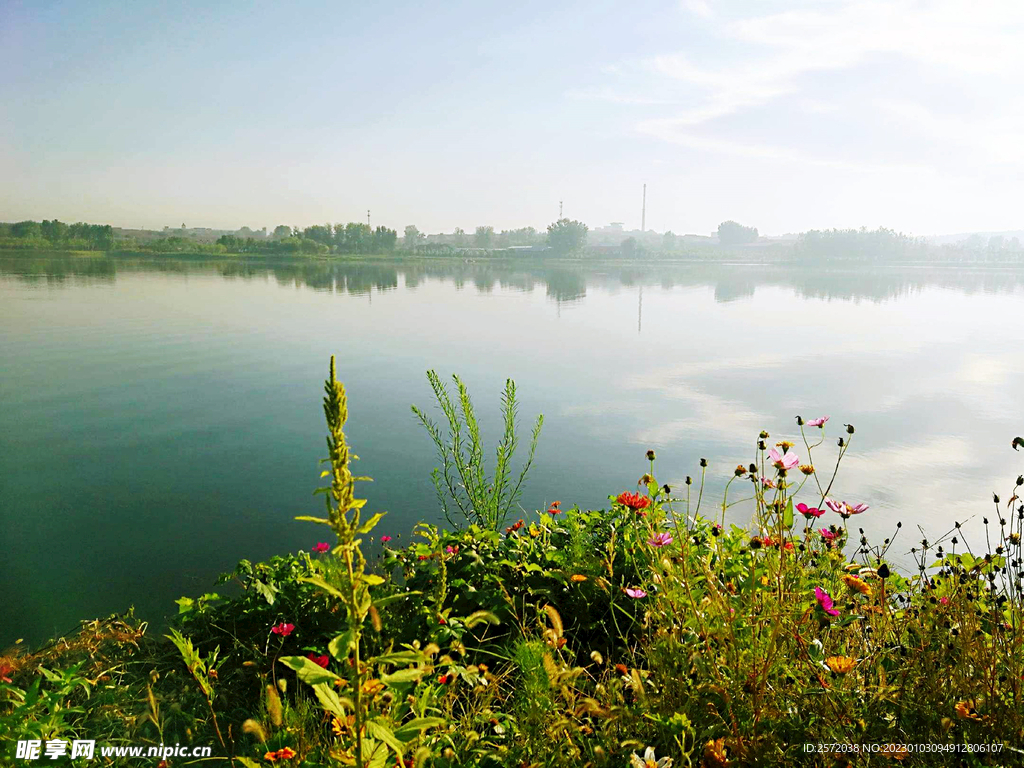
{"x":283,"y":629}
{"x":660,"y":540}
{"x":827,"y":535}
{"x":809,"y":512}
{"x":635,"y":592}
{"x":844,"y":509}
{"x":320,"y":660}
{"x":783,"y":460}
{"x":385,"y":539}
{"x":321,"y":547}
{"x":818,"y":422}
{"x":825,"y":601}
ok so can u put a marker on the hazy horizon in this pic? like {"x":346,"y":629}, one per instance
{"x":783,"y":116}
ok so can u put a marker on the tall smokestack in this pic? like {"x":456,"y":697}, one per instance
{"x":643,"y":214}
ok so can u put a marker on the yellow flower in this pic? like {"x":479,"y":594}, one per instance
{"x":807,"y":469}
{"x":576,"y":578}
{"x":714,"y":754}
{"x":840,"y":665}
{"x":764,"y":581}
{"x":373,"y":686}
{"x":965,"y":710}
{"x":785,"y":445}
{"x":857,"y":585}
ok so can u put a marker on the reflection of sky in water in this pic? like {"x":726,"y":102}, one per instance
{"x":164,"y":419}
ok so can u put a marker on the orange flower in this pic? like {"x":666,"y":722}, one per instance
{"x":857,"y":585}
{"x":286,"y":753}
{"x":714,"y":754}
{"x":840,"y":665}
{"x":634,"y":501}
{"x":965,"y":710}
{"x":576,"y":578}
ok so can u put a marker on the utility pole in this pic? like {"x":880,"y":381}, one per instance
{"x":368,"y":217}
{"x":643,"y":214}
{"x":559,"y":209}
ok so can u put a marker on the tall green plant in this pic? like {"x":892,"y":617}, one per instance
{"x":462,"y":482}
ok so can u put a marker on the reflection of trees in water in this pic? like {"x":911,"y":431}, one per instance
{"x":563,"y":282}
{"x":60,"y":271}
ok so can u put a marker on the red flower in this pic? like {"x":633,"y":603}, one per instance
{"x":444,"y":679}
{"x":283,"y":629}
{"x":321,"y":660}
{"x":634,"y":501}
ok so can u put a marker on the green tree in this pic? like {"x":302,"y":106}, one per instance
{"x":483,"y":237}
{"x":412,"y":236}
{"x":459,"y":237}
{"x":565,"y":236}
{"x":281,"y":231}
{"x":384,"y":239}
{"x":733,"y":233}
{"x":669,"y":241}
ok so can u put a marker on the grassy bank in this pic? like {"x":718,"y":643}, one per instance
{"x":570,"y":637}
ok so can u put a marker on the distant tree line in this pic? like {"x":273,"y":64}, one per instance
{"x":353,"y":237}
{"x":56,"y":234}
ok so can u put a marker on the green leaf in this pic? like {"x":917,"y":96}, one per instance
{"x":308,"y":519}
{"x":370,"y":524}
{"x":414,"y":727}
{"x":309,"y":671}
{"x":329,"y":700}
{"x":318,"y":582}
{"x":787,"y":515}
{"x":378,"y":730}
{"x":380,"y":602}
{"x":398,"y":657}
{"x":269,"y":593}
{"x":402,"y":676}
{"x":342,"y":645}
{"x":372,"y":579}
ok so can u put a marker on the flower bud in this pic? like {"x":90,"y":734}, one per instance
{"x":666,"y":490}
{"x":703,"y":462}
{"x":995,"y":497}
{"x":799,"y":421}
{"x":841,"y":442}
{"x":883,"y":571}
{"x":650,"y":455}
{"x":689,"y":480}
{"x":740,"y":470}
{"x":760,"y":445}
{"x":1020,"y":479}
{"x":849,"y":429}
{"x":764,"y":435}
{"x":752,"y":468}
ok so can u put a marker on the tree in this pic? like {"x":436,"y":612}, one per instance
{"x":628,"y":247}
{"x":565,"y":236}
{"x":668,"y":241}
{"x":483,"y":236}
{"x":384,"y":239}
{"x":459,"y":237}
{"x":412,"y":236}
{"x":281,"y":231}
{"x":732,"y":233}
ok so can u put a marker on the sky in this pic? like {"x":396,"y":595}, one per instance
{"x":786,"y":116}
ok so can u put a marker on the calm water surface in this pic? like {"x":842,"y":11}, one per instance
{"x":160,"y":421}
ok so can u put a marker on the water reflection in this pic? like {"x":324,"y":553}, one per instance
{"x":565,"y":282}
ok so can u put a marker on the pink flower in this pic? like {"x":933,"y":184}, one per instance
{"x":321,"y":547}
{"x":321,"y":660}
{"x":283,"y":629}
{"x":635,"y":592}
{"x":452,"y":550}
{"x":767,"y":483}
{"x":783,"y":460}
{"x":825,"y":602}
{"x":385,"y":539}
{"x":660,"y":540}
{"x":818,"y":422}
{"x":845,"y":509}
{"x":809,"y":512}
{"x":943,"y":601}
{"x":828,"y":535}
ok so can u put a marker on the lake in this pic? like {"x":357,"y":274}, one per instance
{"x":160,"y":420}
